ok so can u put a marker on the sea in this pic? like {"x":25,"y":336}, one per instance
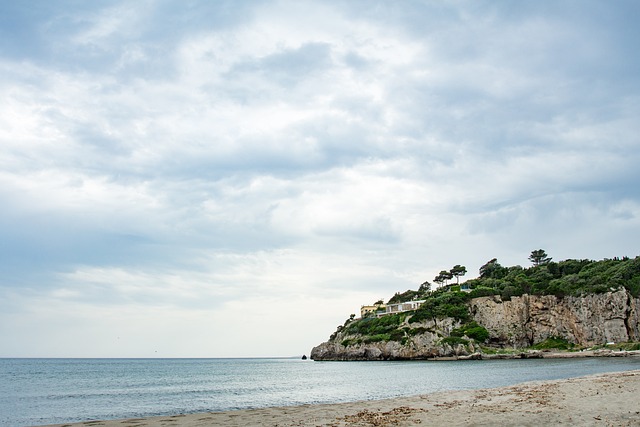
{"x":54,"y":391}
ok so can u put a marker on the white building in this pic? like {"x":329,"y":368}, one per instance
{"x":403,"y":306}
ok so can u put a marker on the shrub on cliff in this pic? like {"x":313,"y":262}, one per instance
{"x":556,"y":343}
{"x":443,"y":304}
{"x":568,"y":277}
{"x":472,"y":330}
{"x":482,"y":291}
{"x":453,"y":341}
{"x":376,"y":325}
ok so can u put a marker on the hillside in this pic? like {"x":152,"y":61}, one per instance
{"x":571,"y":304}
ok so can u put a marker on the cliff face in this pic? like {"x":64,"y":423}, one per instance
{"x":521,"y":322}
{"x":423,"y":345}
{"x":586,"y":321}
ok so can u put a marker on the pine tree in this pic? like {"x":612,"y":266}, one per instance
{"x":539,"y":257}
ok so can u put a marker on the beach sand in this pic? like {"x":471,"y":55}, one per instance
{"x":611,"y":399}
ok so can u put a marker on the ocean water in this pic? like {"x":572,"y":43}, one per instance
{"x":50,"y":391}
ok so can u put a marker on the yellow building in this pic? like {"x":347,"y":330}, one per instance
{"x":366,"y":309}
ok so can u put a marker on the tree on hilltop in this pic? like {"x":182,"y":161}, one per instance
{"x":492,"y":270}
{"x":424,"y":288}
{"x":457,"y":271}
{"x":438,"y":279}
{"x":443,"y":277}
{"x":539,"y":257}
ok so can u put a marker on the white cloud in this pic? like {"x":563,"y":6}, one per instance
{"x":165,"y":168}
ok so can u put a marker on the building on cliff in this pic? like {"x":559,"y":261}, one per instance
{"x":381,"y":309}
{"x":403,"y":306}
{"x":367,"y":310}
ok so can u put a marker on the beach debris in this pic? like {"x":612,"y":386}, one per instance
{"x":381,"y":419}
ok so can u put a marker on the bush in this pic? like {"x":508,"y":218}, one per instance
{"x":459,"y":312}
{"x":472,"y":330}
{"x":416,"y":331}
{"x":510,"y":291}
{"x":453,"y":341}
{"x":443,"y":304}
{"x":376,"y":325}
{"x":482,"y":291}
{"x":477,"y":333}
{"x":377,"y":338}
{"x":396,"y":335}
{"x":558,"y":343}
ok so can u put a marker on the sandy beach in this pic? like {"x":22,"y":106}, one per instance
{"x":611,"y":399}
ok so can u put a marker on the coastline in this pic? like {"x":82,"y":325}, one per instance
{"x":594,"y":400}
{"x":545,"y":354}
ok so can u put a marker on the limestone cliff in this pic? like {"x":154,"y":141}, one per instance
{"x":424,"y":344}
{"x":585,"y":321}
{"x":520,"y":322}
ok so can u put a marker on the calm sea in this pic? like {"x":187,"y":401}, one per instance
{"x":50,"y":391}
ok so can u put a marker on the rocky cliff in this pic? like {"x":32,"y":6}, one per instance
{"x":585,"y":321}
{"x":520,"y":322}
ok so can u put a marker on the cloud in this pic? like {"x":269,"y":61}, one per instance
{"x":175,"y":165}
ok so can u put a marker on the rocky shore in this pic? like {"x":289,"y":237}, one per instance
{"x":539,"y":354}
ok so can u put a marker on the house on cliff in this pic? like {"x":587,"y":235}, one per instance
{"x":375,"y":309}
{"x":403,"y":306}
{"x":379,"y":310}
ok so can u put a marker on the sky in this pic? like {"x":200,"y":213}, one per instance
{"x":234,"y":179}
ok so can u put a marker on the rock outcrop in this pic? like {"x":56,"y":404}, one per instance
{"x":425,"y":344}
{"x":585,"y":321}
{"x":520,"y":322}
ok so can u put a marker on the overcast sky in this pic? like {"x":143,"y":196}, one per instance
{"x":226,"y":179}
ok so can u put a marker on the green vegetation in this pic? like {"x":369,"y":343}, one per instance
{"x":417,"y":331}
{"x":351,"y":341}
{"x":443,"y":303}
{"x":472,"y":330}
{"x":377,"y":329}
{"x":444,"y":276}
{"x":626,"y":346}
{"x":423,"y":292}
{"x":453,"y":341}
{"x":457,"y":271}
{"x":461,"y":335}
{"x":556,"y":343}
{"x":373,"y":326}
{"x":377,"y":338}
{"x":539,"y":257}
{"x":565,"y":278}
{"x":545,"y":277}
{"x":496,"y":350}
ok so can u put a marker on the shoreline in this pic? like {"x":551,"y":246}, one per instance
{"x":522,"y":354}
{"x":544,"y":354}
{"x":594,"y":400}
